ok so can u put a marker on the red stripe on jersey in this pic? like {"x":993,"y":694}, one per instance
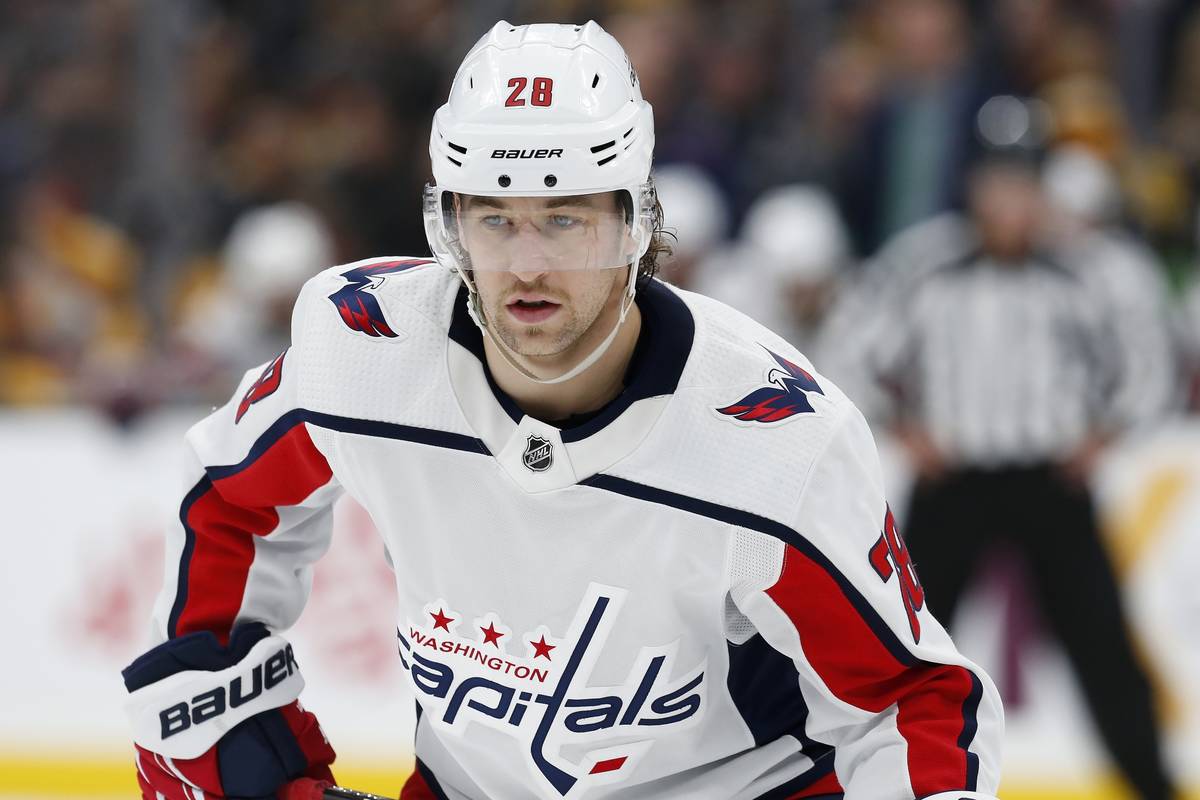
{"x":234,"y":509}
{"x":415,"y":788}
{"x":608,"y":765}
{"x":826,"y":785}
{"x":859,"y":669}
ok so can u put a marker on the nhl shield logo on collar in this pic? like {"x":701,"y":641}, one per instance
{"x":539,"y":454}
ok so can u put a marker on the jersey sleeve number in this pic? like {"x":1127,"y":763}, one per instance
{"x":889,"y":556}
{"x":541,"y":94}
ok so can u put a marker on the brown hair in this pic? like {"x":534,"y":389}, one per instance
{"x":659,"y":248}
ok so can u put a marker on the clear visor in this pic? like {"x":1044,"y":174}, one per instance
{"x":542,"y":234}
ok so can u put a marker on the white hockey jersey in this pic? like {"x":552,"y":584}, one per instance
{"x":697,"y":593}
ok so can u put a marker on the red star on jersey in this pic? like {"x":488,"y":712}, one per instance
{"x":491,"y":635}
{"x":542,"y":649}
{"x":440,"y":620}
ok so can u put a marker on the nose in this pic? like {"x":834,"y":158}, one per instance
{"x":530,"y":258}
{"x":527,"y":275}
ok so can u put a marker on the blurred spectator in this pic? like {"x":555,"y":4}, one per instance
{"x":909,"y":159}
{"x":1181,"y":118}
{"x":660,"y":42}
{"x":1032,"y":43}
{"x":240,"y":106}
{"x":1087,"y":111}
{"x":76,"y":330}
{"x":1006,"y":376}
{"x":733,"y":83}
{"x":845,"y":85}
{"x":694,"y":211}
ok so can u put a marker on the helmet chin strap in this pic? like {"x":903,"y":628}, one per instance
{"x":476,"y":309}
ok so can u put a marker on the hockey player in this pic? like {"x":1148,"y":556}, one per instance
{"x":640,"y":545}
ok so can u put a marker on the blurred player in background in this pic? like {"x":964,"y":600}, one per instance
{"x":269,"y":254}
{"x":790,"y":262}
{"x":641,"y":547}
{"x":1084,"y":210}
{"x":696,"y":214}
{"x":1009,"y":377}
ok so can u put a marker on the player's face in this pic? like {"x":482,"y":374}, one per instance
{"x":546,"y":268}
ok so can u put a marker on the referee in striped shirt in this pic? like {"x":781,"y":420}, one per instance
{"x":1004,"y":367}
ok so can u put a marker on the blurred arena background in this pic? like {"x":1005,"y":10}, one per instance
{"x":172,"y":170}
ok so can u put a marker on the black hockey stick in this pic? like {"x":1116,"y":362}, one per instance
{"x":338,"y":793}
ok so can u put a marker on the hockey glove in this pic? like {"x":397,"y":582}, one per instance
{"x":225,"y":720}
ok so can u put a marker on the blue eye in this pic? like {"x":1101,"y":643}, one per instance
{"x":564,"y":222}
{"x":493,"y":221}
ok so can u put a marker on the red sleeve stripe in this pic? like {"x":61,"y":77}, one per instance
{"x":859,"y":656}
{"x":936,"y":703}
{"x":221,"y":514}
{"x":306,"y":470}
{"x":422,"y":785}
{"x":819,"y":782}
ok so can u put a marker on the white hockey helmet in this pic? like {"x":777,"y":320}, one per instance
{"x":693,"y":206}
{"x":542,"y":110}
{"x":1080,"y":183}
{"x":539,"y":111}
{"x":272,"y":251}
{"x":798,"y":232}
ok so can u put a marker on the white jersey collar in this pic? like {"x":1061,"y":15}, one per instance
{"x":539,"y":456}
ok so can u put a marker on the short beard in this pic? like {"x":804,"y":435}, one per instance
{"x":531,"y":344}
{"x":520,"y":345}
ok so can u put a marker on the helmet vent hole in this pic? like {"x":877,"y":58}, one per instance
{"x":604,"y":146}
{"x":504,"y":181}
{"x":604,"y":161}
{"x":454,"y":161}
{"x":551,"y":181}
{"x":595,"y":80}
{"x":459,"y":148}
{"x":626,"y":135}
{"x":471,"y":82}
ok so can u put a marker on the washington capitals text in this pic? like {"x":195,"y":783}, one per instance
{"x":566,"y":708}
{"x":359,"y":308}
{"x":786,"y":397}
